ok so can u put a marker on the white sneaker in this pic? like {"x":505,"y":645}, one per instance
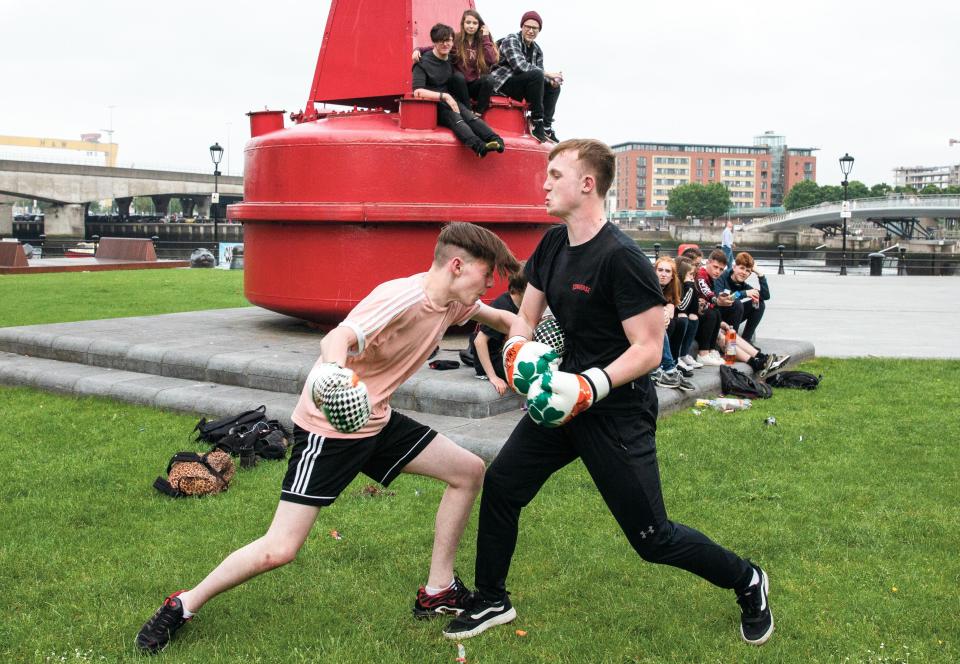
{"x":691,"y":363}
{"x":683,"y":365}
{"x":711,"y":359}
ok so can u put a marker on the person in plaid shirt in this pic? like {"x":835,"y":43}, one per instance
{"x":520,"y":74}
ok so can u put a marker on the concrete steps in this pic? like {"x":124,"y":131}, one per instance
{"x":220,"y":362}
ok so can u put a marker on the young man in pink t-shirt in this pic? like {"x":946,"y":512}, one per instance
{"x":381,"y":343}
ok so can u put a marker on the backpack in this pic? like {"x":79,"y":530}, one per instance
{"x":736,"y":383}
{"x":192,"y":474}
{"x":800,"y":380}
{"x":213,"y":431}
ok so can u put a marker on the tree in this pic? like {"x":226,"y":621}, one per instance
{"x":831,"y":193}
{"x":900,"y":189}
{"x":697,"y":200}
{"x":803,"y":194}
{"x":931,"y":189}
{"x":952,"y":190}
{"x":857,"y":189}
{"x":142,"y":205}
{"x":881,"y":189}
{"x":716,"y":200}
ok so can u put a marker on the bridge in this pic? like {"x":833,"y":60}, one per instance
{"x":70,"y":188}
{"x":901,"y":215}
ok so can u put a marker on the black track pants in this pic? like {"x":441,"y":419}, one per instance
{"x":471,"y":130}
{"x":621,"y":457}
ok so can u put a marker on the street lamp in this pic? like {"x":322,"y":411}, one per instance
{"x":846,"y":165}
{"x":216,"y":154}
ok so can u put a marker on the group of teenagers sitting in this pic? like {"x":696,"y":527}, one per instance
{"x":705,"y":300}
{"x":462,"y":70}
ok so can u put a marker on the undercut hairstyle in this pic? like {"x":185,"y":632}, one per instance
{"x":517,"y":281}
{"x":744,"y":259}
{"x":693,"y":253}
{"x":478,"y":243}
{"x":597,"y":158}
{"x":671,"y":291}
{"x":440,"y":33}
{"x":718,"y":256}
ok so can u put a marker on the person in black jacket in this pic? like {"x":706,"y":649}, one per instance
{"x":748,"y":301}
{"x":431,"y":76}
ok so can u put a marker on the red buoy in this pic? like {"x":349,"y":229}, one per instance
{"x":342,"y":201}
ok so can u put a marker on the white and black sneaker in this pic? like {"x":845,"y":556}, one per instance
{"x":756,"y":618}
{"x":479,"y":617}
{"x":773,"y":363}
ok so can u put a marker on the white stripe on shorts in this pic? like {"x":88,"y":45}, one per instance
{"x":305,"y":465}
{"x":384,"y":478}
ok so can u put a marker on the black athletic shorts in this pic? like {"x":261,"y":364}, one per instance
{"x":321,"y":467}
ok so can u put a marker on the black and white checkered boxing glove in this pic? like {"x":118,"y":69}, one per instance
{"x":341,"y":395}
{"x":548,"y":331}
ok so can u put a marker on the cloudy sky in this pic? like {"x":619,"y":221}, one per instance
{"x":877,"y":80}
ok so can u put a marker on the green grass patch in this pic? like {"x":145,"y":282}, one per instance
{"x":851,"y":502}
{"x":31,"y":299}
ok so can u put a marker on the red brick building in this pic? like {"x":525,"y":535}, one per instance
{"x":757,"y":176}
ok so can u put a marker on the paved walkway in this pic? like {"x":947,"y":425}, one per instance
{"x":854,"y":316}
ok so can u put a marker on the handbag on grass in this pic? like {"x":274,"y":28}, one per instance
{"x":192,"y":474}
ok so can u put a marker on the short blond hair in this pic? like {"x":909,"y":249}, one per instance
{"x":596,"y":155}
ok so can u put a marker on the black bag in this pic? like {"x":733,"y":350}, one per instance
{"x":266,"y":439}
{"x":736,"y":383}
{"x":212,"y":432}
{"x":800,"y":380}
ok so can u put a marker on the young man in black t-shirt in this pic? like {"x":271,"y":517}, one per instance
{"x":601,"y":407}
{"x":431,"y":77}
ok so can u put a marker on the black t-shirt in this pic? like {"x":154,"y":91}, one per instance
{"x":591,"y":289}
{"x":495,"y":338}
{"x":432,"y":73}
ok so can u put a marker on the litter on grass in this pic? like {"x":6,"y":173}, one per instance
{"x":335,"y":534}
{"x":521,"y":632}
{"x":461,"y":654}
{"x":770,"y":421}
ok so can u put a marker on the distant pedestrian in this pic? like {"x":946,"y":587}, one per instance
{"x":726,"y":241}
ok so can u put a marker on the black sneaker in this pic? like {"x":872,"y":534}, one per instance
{"x":495,"y":144}
{"x":157,"y":632}
{"x":479,"y":617}
{"x":551,"y":135}
{"x":756,"y":618}
{"x":453,"y":600}
{"x":538,"y":132}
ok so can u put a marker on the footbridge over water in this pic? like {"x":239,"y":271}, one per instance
{"x":907,"y":216}
{"x":71,"y":188}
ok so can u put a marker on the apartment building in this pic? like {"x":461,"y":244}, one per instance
{"x":919,"y":177}
{"x":757,"y":176}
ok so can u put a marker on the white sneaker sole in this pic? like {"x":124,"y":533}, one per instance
{"x":502,"y":619}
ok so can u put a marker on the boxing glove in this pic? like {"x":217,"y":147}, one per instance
{"x":548,"y":331}
{"x":341,"y":395}
{"x":559,"y":396}
{"x":525,"y":361}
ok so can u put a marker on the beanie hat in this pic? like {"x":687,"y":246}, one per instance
{"x":535,"y":16}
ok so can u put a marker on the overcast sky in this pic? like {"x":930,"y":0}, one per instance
{"x":877,"y":80}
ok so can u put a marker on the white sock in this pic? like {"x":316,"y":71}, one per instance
{"x":186,"y":613}
{"x":436,"y":591}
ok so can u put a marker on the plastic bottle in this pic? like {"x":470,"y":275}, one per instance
{"x":730,"y":355}
{"x":725,"y":404}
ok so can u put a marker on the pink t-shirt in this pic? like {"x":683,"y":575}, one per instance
{"x":397,"y":328}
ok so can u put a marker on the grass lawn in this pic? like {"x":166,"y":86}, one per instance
{"x":851,"y":502}
{"x":30,"y":299}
